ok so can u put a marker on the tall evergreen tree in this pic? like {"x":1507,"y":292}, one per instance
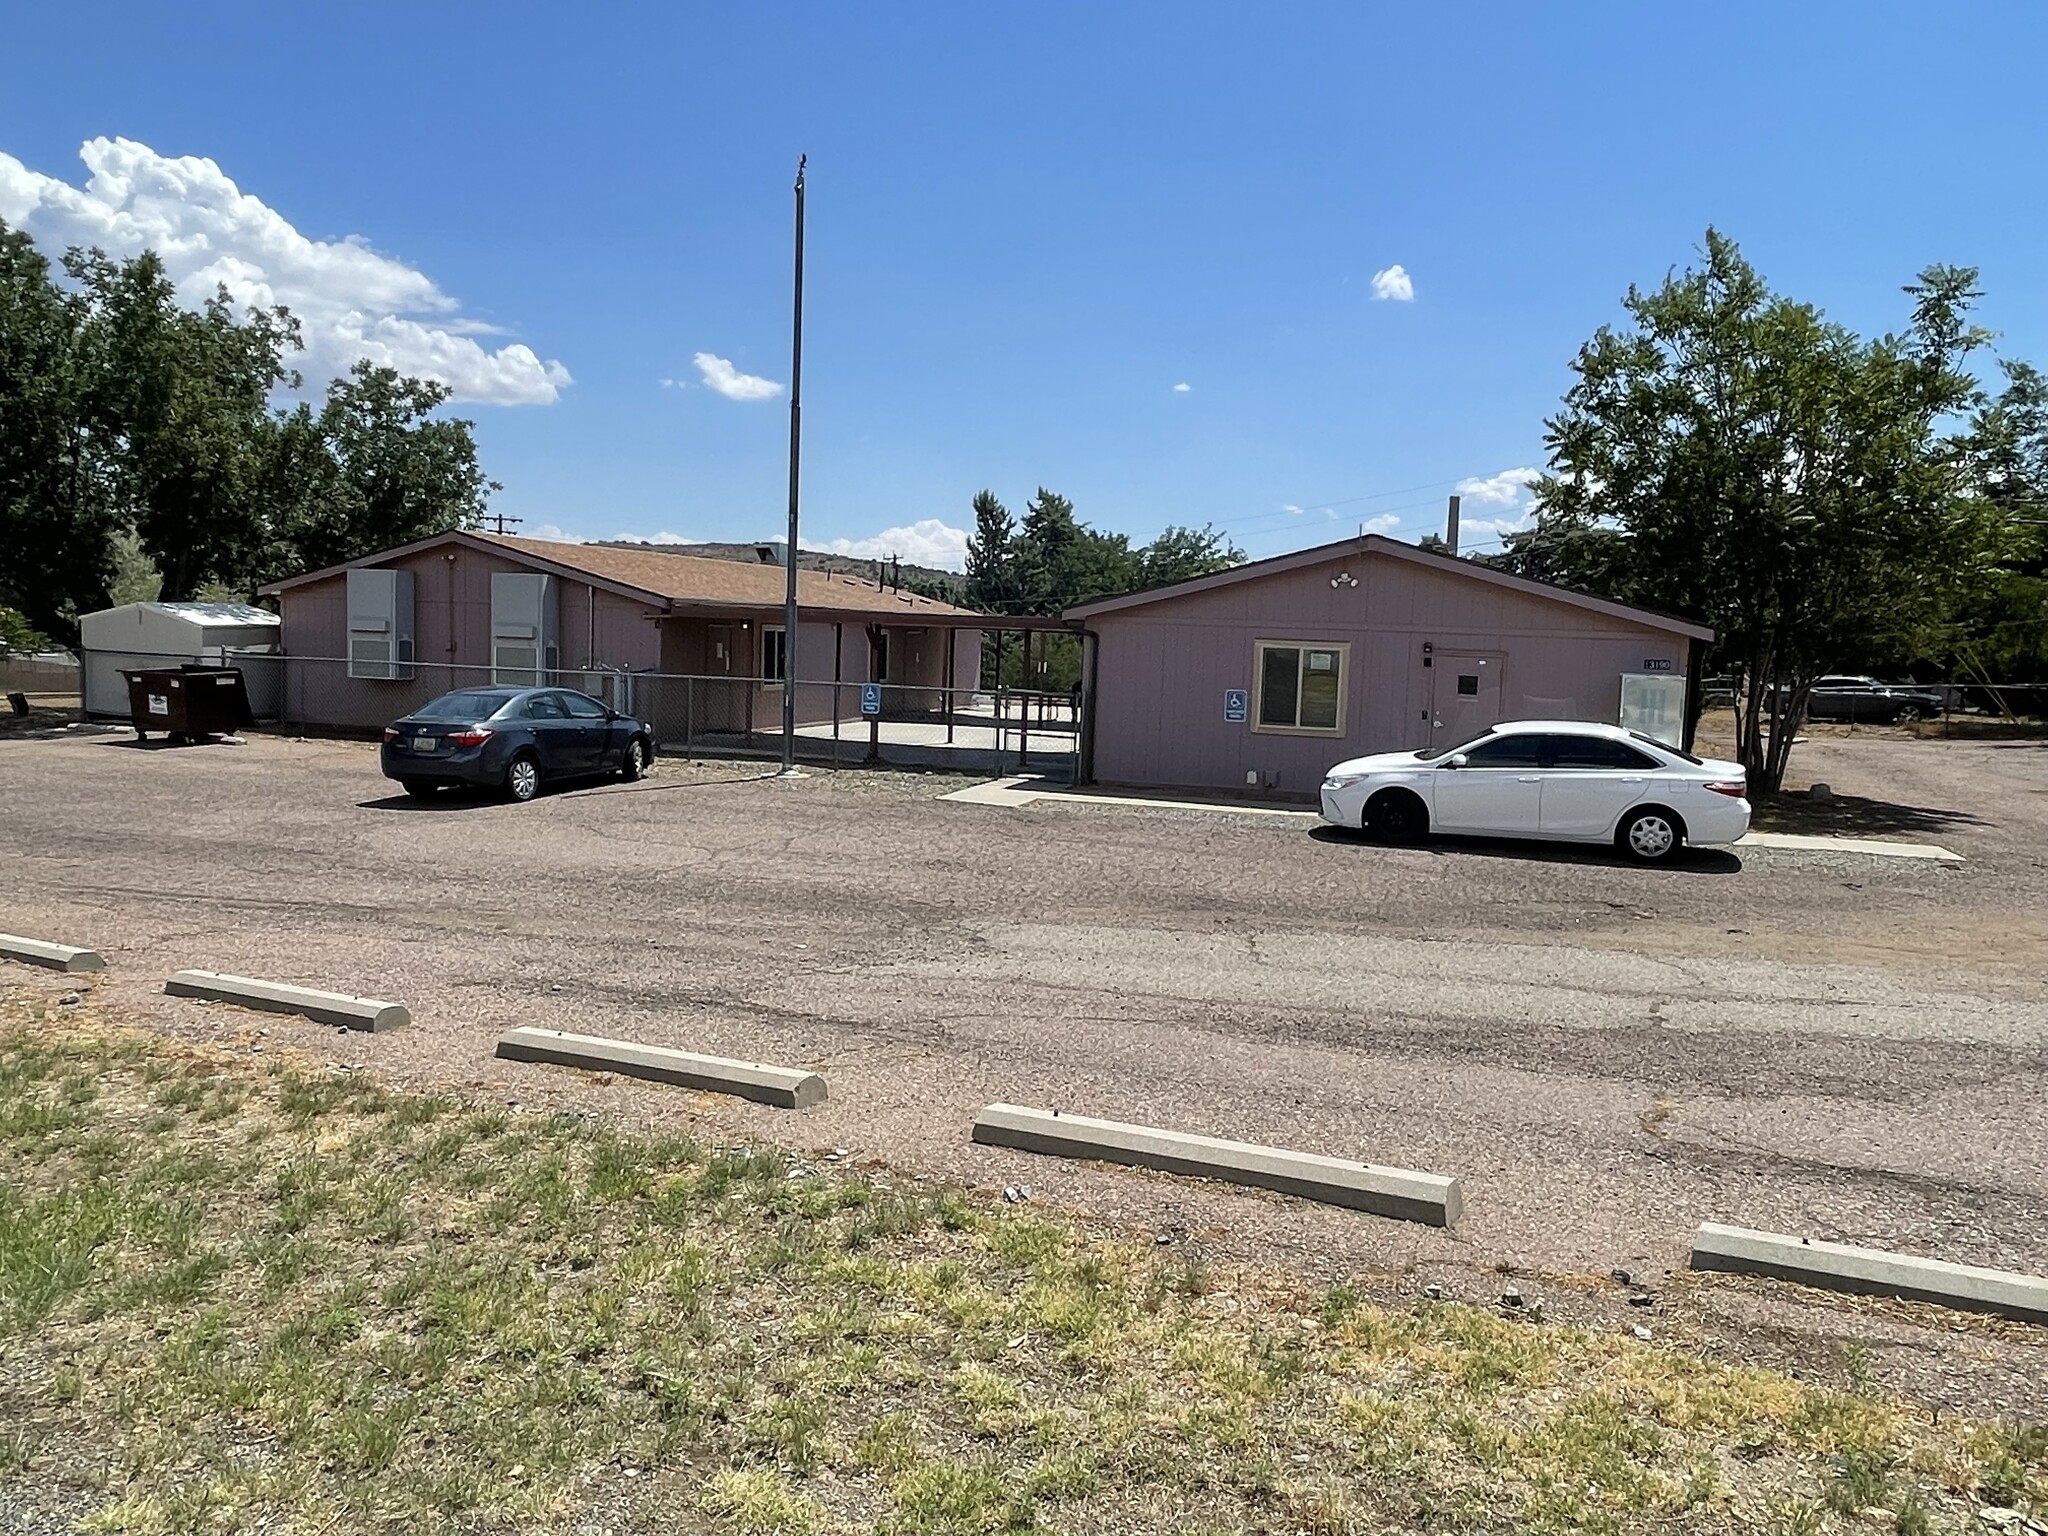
{"x":991,"y":557}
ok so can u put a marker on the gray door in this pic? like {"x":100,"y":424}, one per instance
{"x":1465,"y":697}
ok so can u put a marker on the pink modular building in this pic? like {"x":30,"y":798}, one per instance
{"x":1261,"y":677}
{"x":366,"y":641}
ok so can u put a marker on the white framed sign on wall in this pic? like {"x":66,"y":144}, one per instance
{"x":1654,"y":703}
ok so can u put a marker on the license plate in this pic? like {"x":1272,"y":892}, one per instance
{"x":423,"y":743}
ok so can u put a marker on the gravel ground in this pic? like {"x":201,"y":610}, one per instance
{"x":1830,"y":1044}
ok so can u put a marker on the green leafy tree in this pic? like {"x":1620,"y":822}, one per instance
{"x":141,"y":455}
{"x":1182,"y":554}
{"x":1785,"y":481}
{"x":182,"y":399}
{"x":1588,"y":559}
{"x":58,"y":513}
{"x":2002,"y":631}
{"x":17,"y":634}
{"x":373,"y":470}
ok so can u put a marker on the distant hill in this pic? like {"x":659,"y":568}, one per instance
{"x":949,"y":586}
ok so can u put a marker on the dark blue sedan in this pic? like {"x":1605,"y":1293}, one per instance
{"x":513,"y":739}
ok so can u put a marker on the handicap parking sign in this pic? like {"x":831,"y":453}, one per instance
{"x":871,"y":698}
{"x":1237,"y":705}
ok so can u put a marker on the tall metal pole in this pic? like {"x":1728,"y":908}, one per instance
{"x":796,"y":436}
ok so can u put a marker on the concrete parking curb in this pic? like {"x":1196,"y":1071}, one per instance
{"x":1425,"y":1197}
{"x":338,"y":1008}
{"x":56,"y":957}
{"x":1870,"y":1272}
{"x":783,"y":1087}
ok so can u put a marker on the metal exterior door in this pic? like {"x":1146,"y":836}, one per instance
{"x":1465,"y":696}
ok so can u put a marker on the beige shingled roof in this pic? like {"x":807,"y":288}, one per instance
{"x":695,"y":579}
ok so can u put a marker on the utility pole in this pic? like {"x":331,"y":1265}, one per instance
{"x":1451,"y":527}
{"x":796,"y":437}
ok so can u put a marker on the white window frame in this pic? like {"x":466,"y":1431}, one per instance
{"x":1342,"y":650}
{"x":761,"y":655}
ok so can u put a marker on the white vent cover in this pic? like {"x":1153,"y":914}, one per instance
{"x":522,"y":628}
{"x":380,"y":621}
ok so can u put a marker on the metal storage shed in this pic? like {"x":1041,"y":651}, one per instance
{"x":141,"y":635}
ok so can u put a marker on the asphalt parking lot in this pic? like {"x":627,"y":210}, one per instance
{"x":1835,"y":1045}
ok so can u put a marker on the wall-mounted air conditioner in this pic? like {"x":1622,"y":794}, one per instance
{"x":523,"y":646}
{"x":380,"y":625}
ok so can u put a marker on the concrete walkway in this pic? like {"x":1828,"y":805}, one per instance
{"x":1023,"y":789}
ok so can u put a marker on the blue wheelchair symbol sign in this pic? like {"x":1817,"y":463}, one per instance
{"x":871,"y":698}
{"x":1237,"y":705}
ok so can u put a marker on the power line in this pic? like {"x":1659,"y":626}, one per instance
{"x":1291,"y":511}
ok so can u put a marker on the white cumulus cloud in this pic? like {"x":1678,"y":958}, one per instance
{"x":554,"y":533}
{"x":351,"y":301}
{"x":720,"y":375}
{"x":1394,"y":283}
{"x":1509,"y":488}
{"x":663,"y":537}
{"x":1386,"y":522}
{"x":1181,"y":389}
{"x":1291,"y":508}
{"x":1509,"y":492}
{"x":927,"y":541}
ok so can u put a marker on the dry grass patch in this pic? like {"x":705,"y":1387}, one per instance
{"x":237,"y":1297}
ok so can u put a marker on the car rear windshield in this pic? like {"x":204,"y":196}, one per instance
{"x":1665,"y":746}
{"x":470,"y":704}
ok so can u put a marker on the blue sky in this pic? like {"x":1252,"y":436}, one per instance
{"x":1028,"y":225}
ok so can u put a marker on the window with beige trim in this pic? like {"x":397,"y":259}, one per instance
{"x":1300,"y":686}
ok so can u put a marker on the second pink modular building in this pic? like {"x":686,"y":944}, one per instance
{"x":1261,"y":677}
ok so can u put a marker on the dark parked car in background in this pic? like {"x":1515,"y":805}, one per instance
{"x":513,"y":739}
{"x":1844,"y":697}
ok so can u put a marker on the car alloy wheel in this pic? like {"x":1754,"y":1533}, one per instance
{"x":1651,"y":836}
{"x":1909,"y":714}
{"x":635,"y":764}
{"x":522,"y":779}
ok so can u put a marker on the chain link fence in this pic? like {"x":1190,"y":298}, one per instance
{"x":844,"y":724}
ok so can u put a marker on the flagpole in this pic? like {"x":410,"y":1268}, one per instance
{"x":796,"y":432}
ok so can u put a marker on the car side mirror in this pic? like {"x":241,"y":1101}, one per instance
{"x":1456,"y":760}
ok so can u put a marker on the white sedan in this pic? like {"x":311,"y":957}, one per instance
{"x":1565,"y":780}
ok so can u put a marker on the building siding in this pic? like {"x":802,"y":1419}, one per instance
{"x":597,"y":633}
{"x":452,"y":615}
{"x":1162,"y":668}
